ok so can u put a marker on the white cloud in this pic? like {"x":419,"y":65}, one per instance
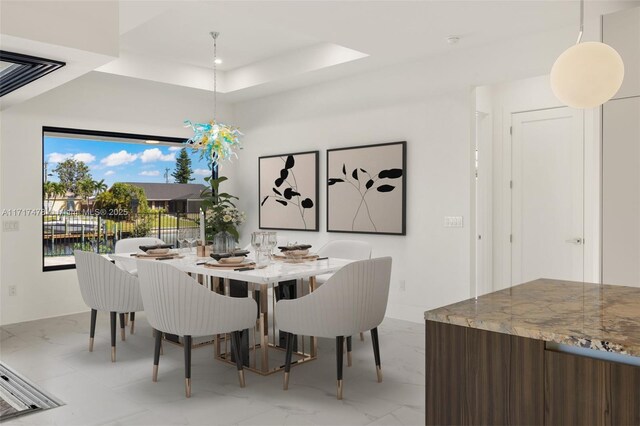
{"x":154,"y":154}
{"x":109,"y":173}
{"x":118,"y":158}
{"x":175,"y":148}
{"x":56,"y":157}
{"x":85,"y":157}
{"x":150,"y":173}
{"x":202,"y":172}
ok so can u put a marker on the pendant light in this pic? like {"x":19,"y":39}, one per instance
{"x":215,"y":140}
{"x":588,"y":74}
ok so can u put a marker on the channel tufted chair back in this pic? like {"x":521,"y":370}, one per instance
{"x":177,"y":304}
{"x":353,"y":300}
{"x":105,"y":287}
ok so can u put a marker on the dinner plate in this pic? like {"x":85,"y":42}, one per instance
{"x":216,"y":264}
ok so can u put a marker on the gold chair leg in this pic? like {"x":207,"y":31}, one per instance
{"x":187,"y":387}
{"x":339,"y":389}
{"x":285,"y":385}
{"x":113,"y":354}
{"x":349,"y":359}
{"x":241,"y":378}
{"x":379,"y":372}
{"x":133,"y":323}
{"x":154,"y":377}
{"x":90,"y":344}
{"x":122,"y":334}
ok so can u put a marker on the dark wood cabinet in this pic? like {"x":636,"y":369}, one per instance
{"x":484,"y":378}
{"x":625,"y":394}
{"x":477,"y":377}
{"x":575,"y":390}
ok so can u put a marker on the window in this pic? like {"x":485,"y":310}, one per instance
{"x":99,"y":187}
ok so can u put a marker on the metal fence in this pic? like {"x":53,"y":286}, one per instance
{"x":63,"y":233}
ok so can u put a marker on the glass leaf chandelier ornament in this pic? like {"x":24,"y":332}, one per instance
{"x":586,"y":75}
{"x":216,"y":141}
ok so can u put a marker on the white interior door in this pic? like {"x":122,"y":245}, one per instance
{"x":547,"y":195}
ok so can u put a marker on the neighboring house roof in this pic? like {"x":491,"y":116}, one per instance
{"x":170,"y":191}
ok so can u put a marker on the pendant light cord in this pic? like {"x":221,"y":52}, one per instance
{"x":581,"y":22}
{"x":215,"y":73}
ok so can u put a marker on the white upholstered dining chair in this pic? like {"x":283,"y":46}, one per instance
{"x":353,"y":300}
{"x":105,"y":287}
{"x":176,"y":303}
{"x":132,"y":245}
{"x":344,"y":249}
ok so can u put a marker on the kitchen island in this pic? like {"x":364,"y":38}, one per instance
{"x":545,"y":352}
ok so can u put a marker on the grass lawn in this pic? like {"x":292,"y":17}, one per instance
{"x":166,"y":221}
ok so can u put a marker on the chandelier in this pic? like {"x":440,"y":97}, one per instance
{"x":216,"y":141}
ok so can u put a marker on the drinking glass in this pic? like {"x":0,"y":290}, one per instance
{"x":182,"y":239}
{"x":257,"y":240}
{"x":191,"y":238}
{"x":259,"y":243}
{"x":272,"y":242}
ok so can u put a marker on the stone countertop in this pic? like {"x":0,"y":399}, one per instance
{"x":595,"y":316}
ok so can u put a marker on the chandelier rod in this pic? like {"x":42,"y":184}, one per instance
{"x":581,"y":22}
{"x":214,"y":35}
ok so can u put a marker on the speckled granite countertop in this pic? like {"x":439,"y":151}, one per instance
{"x":602,"y":317}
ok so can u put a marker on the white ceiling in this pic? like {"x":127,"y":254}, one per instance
{"x":273,"y":46}
{"x":259,"y":35}
{"x":389,"y":30}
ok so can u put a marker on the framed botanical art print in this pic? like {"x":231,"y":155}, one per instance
{"x":288,"y":189}
{"x":366,"y":189}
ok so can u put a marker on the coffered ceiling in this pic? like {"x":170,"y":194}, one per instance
{"x":273,"y":46}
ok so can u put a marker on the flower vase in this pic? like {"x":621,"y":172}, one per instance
{"x":223,"y":242}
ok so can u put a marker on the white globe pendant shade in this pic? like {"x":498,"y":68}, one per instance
{"x":587,"y":75}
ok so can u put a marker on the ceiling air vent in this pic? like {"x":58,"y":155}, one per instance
{"x":17,"y":69}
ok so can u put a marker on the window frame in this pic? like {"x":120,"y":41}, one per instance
{"x":89,"y":133}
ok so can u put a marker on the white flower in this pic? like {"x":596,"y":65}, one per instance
{"x":226,"y":218}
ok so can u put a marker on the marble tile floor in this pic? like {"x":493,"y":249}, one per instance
{"x":53,"y":353}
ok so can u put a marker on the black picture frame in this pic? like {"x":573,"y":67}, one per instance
{"x":264,"y":197}
{"x":388,"y":176}
{"x":24,"y":70}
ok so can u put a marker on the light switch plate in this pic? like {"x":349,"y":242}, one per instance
{"x":453,"y":222}
{"x":10,"y":225}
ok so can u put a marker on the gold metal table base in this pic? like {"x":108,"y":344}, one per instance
{"x":303,"y":358}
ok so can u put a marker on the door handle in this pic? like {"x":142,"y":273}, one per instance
{"x":575,"y":241}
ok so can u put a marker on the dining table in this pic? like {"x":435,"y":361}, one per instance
{"x":281,"y":279}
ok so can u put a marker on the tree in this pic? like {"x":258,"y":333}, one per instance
{"x":86,"y":187}
{"x":183,"y":172}
{"x":70,"y":173}
{"x":51,"y":190}
{"x":100,"y":187}
{"x":119,"y":199}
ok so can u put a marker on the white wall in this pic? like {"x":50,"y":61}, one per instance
{"x":431,"y":259}
{"x":95,"y":101}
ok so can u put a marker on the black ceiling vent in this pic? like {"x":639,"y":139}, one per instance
{"x":17,"y":69}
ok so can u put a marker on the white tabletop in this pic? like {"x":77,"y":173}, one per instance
{"x":277,"y":271}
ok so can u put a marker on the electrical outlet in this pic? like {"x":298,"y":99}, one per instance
{"x":402,"y":285}
{"x":13,"y":290}
{"x":10,"y":225}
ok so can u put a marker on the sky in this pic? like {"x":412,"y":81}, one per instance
{"x":121,"y":161}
